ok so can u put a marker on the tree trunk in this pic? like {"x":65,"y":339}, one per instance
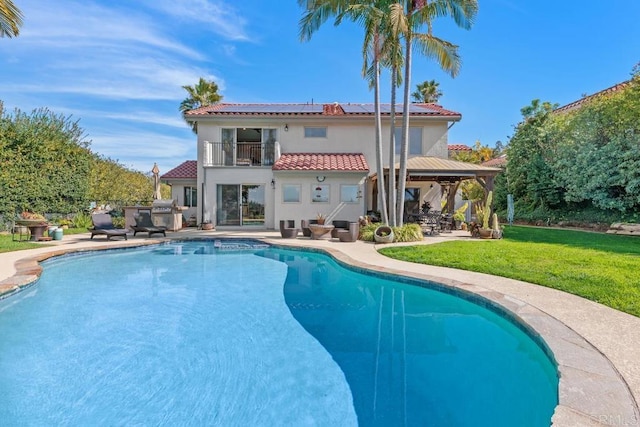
{"x":382,"y":196}
{"x":392,"y":151}
{"x":402,"y":175}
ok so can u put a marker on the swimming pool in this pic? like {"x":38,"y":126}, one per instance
{"x":218,"y":333}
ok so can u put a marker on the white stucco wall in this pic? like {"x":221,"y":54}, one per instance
{"x":344,"y":135}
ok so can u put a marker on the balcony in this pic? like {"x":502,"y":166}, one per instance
{"x":240,"y":153}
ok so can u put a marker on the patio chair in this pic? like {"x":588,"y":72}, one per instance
{"x":103,"y":226}
{"x":351,"y":234}
{"x":144,"y":224}
{"x":288,"y":229}
{"x":304,"y":224}
{"x":338,"y":225}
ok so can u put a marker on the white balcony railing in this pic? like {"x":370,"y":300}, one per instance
{"x":240,"y":153}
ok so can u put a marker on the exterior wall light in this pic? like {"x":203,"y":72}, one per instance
{"x":273,"y":183}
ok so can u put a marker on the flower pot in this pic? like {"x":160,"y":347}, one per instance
{"x":383,"y":234}
{"x":486,"y":233}
{"x":207,"y":226}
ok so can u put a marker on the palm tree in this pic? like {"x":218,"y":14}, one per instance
{"x":427,"y":92}
{"x":370,"y":14}
{"x":10,"y":19}
{"x":417,"y":13}
{"x":202,"y":94}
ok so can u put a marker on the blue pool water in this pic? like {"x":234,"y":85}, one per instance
{"x":218,"y":333}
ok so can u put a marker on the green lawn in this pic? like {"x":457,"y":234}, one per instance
{"x":601,"y":267}
{"x":8,"y":245}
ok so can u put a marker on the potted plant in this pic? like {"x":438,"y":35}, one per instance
{"x":458,"y":215}
{"x":207,"y":225}
{"x":320,"y":218}
{"x":496,"y":231}
{"x":383,"y":234}
{"x":483,"y":214}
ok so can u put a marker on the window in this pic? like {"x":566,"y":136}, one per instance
{"x":290,"y":193}
{"x":315,"y":132}
{"x":190,"y":197}
{"x":319,"y":193}
{"x":411,"y":200}
{"x":415,"y":140}
{"x":349,"y":193}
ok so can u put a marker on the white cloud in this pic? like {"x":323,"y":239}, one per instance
{"x":216,"y":16}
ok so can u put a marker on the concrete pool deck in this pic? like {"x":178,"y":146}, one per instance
{"x":597,"y":348}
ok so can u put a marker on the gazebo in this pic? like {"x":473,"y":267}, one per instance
{"x":448,"y":173}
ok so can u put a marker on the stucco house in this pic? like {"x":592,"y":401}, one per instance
{"x":258,"y":164}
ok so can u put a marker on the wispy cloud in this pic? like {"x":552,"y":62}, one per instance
{"x":220,"y":17}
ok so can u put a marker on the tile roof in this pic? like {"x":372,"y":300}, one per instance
{"x":497,"y":162}
{"x":331,"y":109}
{"x":347,"y":162}
{"x":459,"y":147}
{"x":580,"y":102}
{"x":186,"y":170}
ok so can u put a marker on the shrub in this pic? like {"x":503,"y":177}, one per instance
{"x":406,"y":233}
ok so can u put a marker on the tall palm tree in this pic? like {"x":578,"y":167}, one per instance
{"x":418,"y":13}
{"x":10,"y":19}
{"x":370,"y":14}
{"x":204,"y":93}
{"x":427,"y":92}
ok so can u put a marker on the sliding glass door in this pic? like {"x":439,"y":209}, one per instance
{"x":240,"y":205}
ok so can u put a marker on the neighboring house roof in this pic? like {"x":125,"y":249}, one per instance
{"x":580,"y":102}
{"x":347,"y":162}
{"x":439,"y":165}
{"x":333,"y":109}
{"x":498,"y":162}
{"x":186,"y":170}
{"x":459,"y":147}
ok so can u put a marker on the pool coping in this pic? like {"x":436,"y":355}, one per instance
{"x":592,"y":390}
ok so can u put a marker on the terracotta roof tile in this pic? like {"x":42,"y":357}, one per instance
{"x":186,"y":170}
{"x":334,"y":109}
{"x":497,"y":162}
{"x":459,"y":147}
{"x":348,"y":162}
{"x":580,"y":102}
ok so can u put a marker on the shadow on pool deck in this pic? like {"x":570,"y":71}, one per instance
{"x":597,"y":348}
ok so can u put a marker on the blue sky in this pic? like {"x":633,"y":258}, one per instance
{"x":118,"y":66}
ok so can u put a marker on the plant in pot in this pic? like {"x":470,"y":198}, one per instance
{"x":321,"y":218}
{"x":483,"y":213}
{"x":458,"y":215}
{"x":207,"y":225}
{"x":383,"y":234}
{"x":496,"y":231}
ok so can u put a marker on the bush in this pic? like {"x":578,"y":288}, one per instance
{"x":406,"y":233}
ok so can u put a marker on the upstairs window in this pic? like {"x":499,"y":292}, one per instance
{"x":315,"y":132}
{"x":415,"y":140}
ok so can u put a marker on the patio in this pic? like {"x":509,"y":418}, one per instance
{"x":595,"y":347}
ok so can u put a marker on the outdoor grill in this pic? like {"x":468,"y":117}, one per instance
{"x":165,"y":213}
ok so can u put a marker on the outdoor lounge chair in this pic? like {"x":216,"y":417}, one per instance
{"x":338,"y":224}
{"x":103,"y":225}
{"x":349,"y":235}
{"x":144,"y":224}
{"x":288,"y":229}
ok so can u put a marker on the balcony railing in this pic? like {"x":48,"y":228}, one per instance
{"x":240,"y":153}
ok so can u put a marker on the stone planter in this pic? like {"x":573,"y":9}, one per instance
{"x":383,"y":234}
{"x":486,"y":233}
{"x":207,"y":226}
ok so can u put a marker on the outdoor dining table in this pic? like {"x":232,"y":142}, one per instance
{"x":36,"y":228}
{"x":321,"y":231}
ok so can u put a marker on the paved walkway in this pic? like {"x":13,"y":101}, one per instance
{"x":597,"y":348}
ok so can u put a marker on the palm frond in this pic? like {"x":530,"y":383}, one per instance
{"x":10,"y":19}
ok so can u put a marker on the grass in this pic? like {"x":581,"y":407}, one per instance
{"x":600,"y":267}
{"x":8,"y":245}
